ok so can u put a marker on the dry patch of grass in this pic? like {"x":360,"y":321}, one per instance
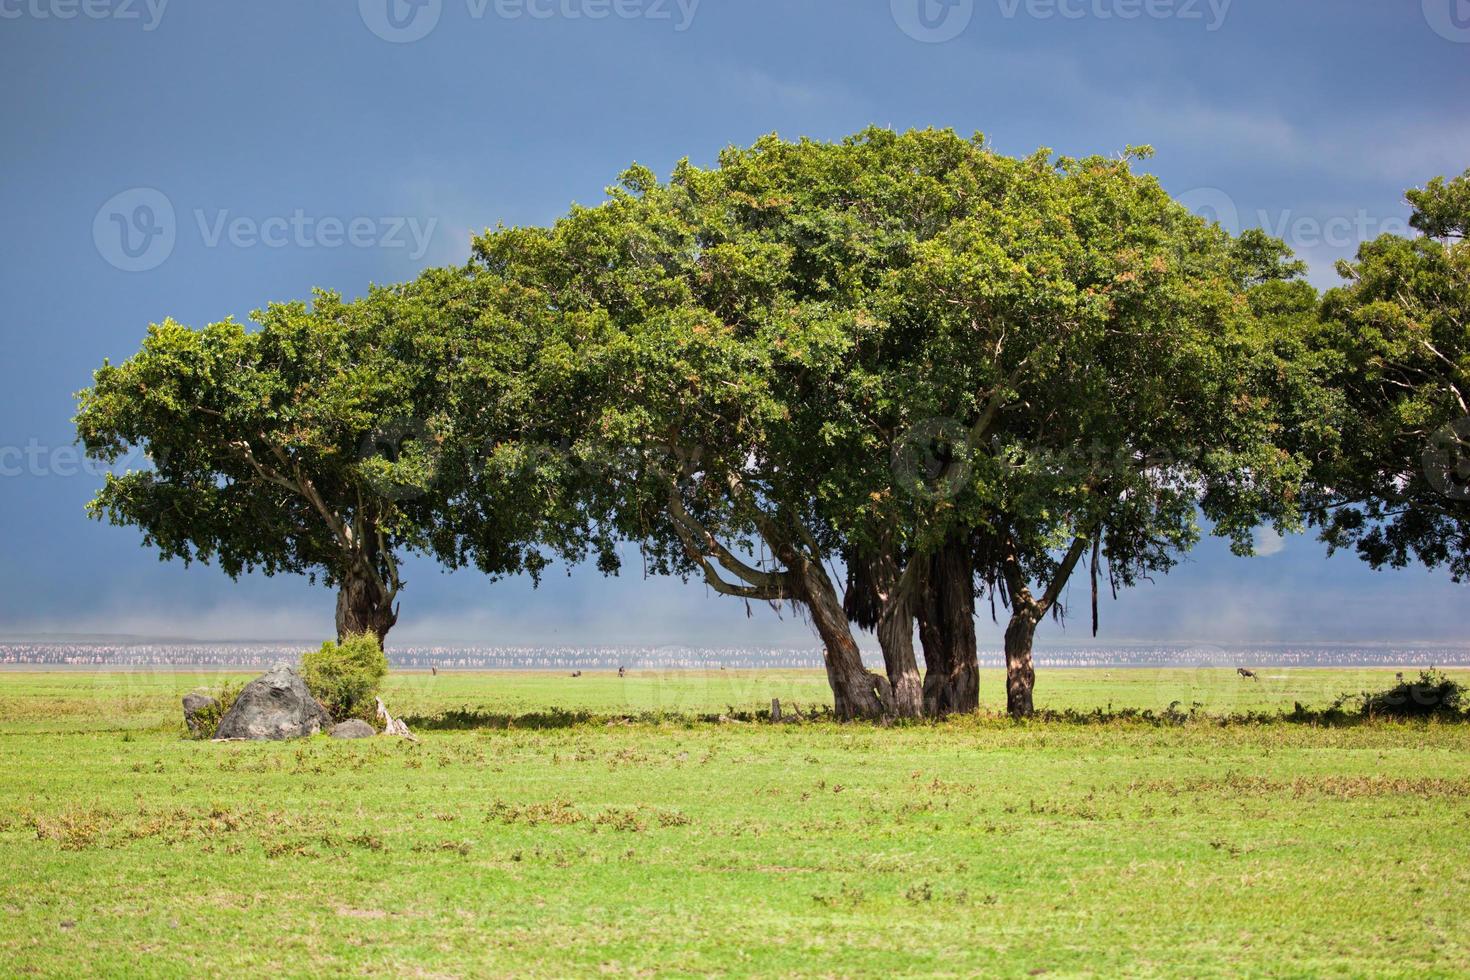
{"x":1334,"y":786}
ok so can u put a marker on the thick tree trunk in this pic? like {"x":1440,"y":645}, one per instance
{"x":947,"y":631}
{"x":856,"y":692}
{"x":891,"y":617}
{"x":363,"y":607}
{"x":1020,"y":674}
{"x":896,"y":635}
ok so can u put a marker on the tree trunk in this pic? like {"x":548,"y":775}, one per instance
{"x":947,"y":631}
{"x":891,"y":617}
{"x":896,"y":635}
{"x":1020,"y":675}
{"x":856,"y":692}
{"x":363,"y":607}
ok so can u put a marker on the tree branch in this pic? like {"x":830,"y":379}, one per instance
{"x":699,"y":543}
{"x":1064,"y":572}
{"x":695,"y":534}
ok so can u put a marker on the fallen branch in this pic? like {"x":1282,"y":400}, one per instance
{"x":391,"y":725}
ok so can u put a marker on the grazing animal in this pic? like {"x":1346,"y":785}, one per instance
{"x":576,"y":673}
{"x":1250,"y":674}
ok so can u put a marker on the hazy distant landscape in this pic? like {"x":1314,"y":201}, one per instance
{"x":665,"y":657}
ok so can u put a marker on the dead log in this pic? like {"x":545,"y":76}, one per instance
{"x":391,"y":725}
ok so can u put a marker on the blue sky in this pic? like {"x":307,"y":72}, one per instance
{"x":252,"y":151}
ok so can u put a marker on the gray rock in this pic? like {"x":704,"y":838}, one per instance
{"x":353,"y":728}
{"x":275,"y":705}
{"x":194,"y":706}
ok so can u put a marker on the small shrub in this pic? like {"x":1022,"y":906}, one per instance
{"x":210,"y":716}
{"x":1433,"y":694}
{"x":345,"y":677}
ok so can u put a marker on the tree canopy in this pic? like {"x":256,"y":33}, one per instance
{"x":1070,"y":355}
{"x":328,"y":442}
{"x":1400,"y":332}
{"x":877,"y":380}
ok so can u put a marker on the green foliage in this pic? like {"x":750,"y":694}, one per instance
{"x":264,"y":446}
{"x":1399,"y":335}
{"x":1074,"y":359}
{"x":858,"y":352}
{"x":324,"y":442}
{"x":345,"y":677}
{"x":1433,"y":695}
{"x":1442,"y":208}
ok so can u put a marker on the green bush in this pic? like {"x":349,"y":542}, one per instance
{"x":345,"y":677}
{"x":1433,"y":694}
{"x":210,"y":717}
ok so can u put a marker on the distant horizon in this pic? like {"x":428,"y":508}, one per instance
{"x":394,"y":642}
{"x":132,"y":653}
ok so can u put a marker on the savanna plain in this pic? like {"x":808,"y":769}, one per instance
{"x":1159,"y":822}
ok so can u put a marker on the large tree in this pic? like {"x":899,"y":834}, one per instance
{"x":1037,"y":365}
{"x":1399,"y":492}
{"x":1071,"y":355}
{"x":329,"y":441}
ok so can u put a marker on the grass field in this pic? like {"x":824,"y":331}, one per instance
{"x":536,"y":830}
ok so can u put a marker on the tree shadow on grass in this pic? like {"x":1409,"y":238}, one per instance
{"x":473,"y":719}
{"x":1345,"y":712}
{"x":468,"y":719}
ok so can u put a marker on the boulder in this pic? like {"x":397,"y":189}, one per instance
{"x":276,"y":705}
{"x":353,"y":728}
{"x":196,"y":705}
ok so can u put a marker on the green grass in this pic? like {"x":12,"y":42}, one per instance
{"x":555,"y":837}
